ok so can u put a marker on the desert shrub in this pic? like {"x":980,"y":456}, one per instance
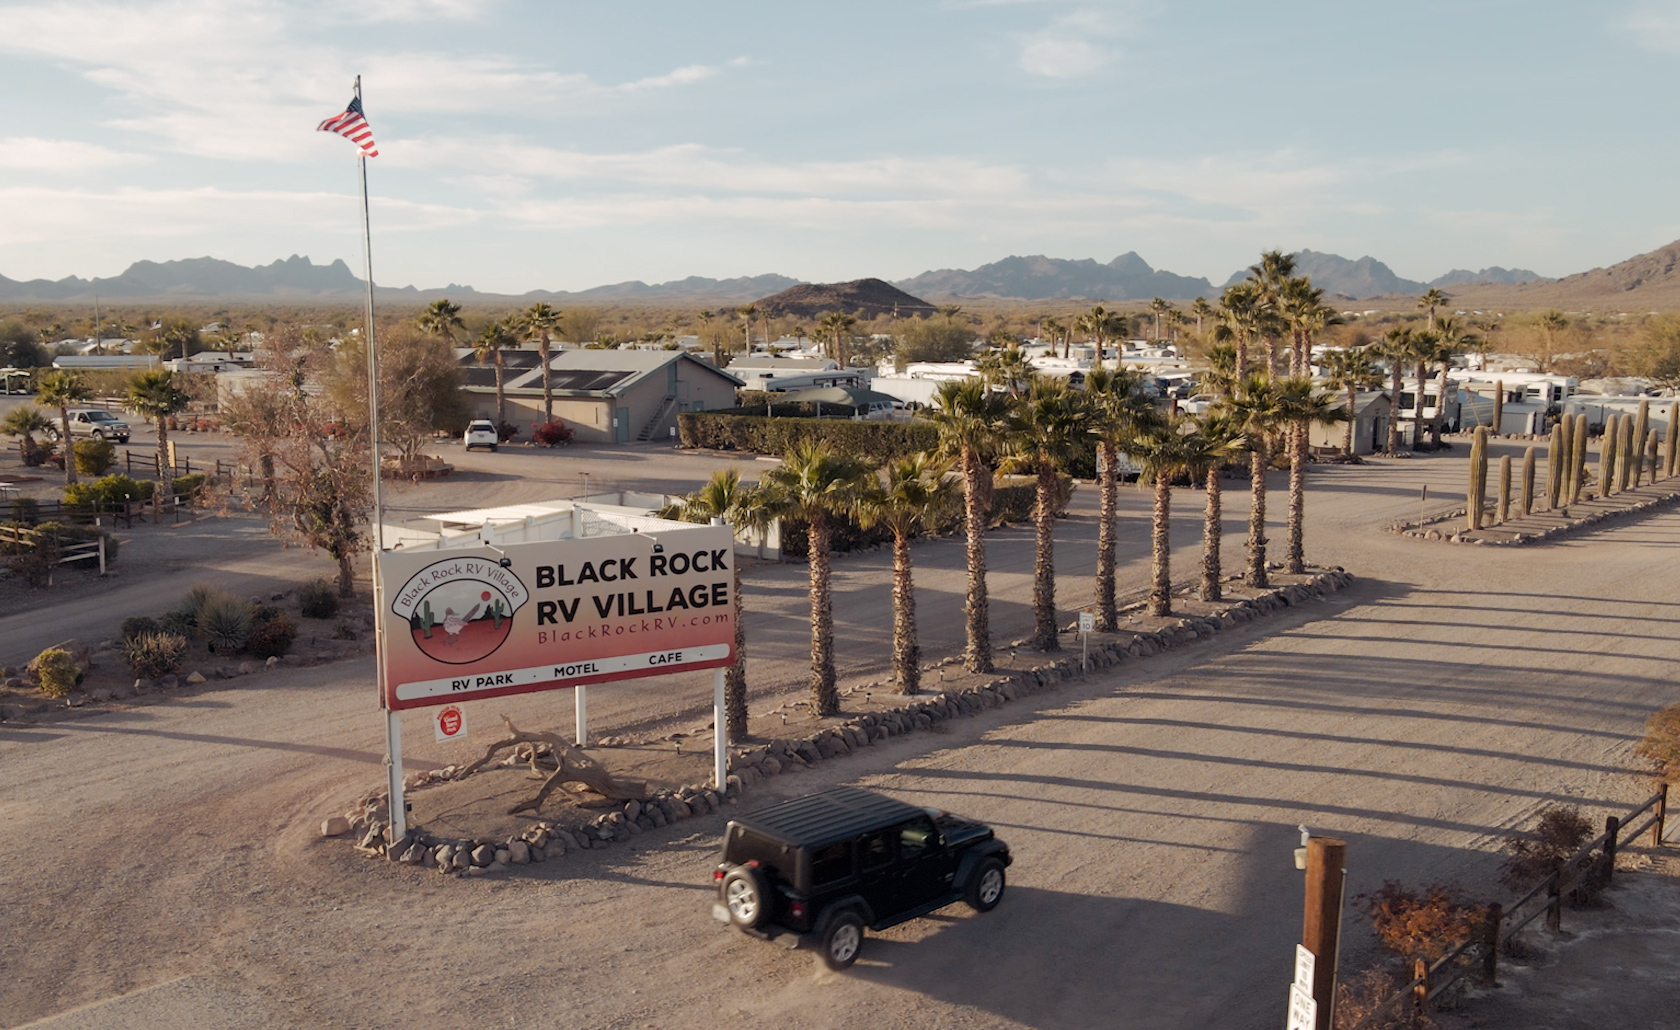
{"x":1531,"y":857}
{"x":34,"y":561}
{"x":179,"y":623}
{"x":108,"y":493}
{"x":552,"y":433}
{"x":57,"y":672}
{"x":34,"y":453}
{"x":225,"y":622}
{"x":506,"y":431}
{"x":318,"y":600}
{"x":187,"y":487}
{"x":95,"y":457}
{"x":197,"y":598}
{"x":155,"y":654}
{"x":877,"y":441}
{"x":1365,"y":992}
{"x":139,"y":626}
{"x":344,"y":631}
{"x":25,"y":510}
{"x":1426,"y":925}
{"x":1661,"y":744}
{"x":271,"y":636}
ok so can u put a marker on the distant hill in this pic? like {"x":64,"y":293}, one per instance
{"x":1127,"y":277}
{"x":1508,"y":276}
{"x":870,"y":296}
{"x":696,"y":288}
{"x":1366,"y":277}
{"x":1645,"y":282}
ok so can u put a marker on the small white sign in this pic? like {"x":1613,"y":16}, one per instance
{"x":1303,"y":1010}
{"x":1304,"y":964}
{"x":1087,"y":622}
{"x":450,"y":723}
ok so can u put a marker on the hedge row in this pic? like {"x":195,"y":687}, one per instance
{"x":881,"y":441}
{"x":1013,"y":498}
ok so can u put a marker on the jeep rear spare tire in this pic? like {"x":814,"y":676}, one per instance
{"x":842,"y":941}
{"x":985,"y":887}
{"x":744,"y":895}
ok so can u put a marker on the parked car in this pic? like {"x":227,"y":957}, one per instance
{"x":94,"y":424}
{"x":480,"y":433}
{"x":815,"y":871}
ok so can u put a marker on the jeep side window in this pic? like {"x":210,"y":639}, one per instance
{"x":915,"y":837}
{"x":875,"y":851}
{"x":831,"y":863}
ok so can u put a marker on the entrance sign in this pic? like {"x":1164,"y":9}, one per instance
{"x":450,"y":724}
{"x":481,"y":621}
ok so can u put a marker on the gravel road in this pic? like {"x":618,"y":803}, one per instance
{"x":164,"y":858}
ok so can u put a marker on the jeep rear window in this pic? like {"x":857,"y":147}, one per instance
{"x":745,"y":846}
{"x":831,"y":863}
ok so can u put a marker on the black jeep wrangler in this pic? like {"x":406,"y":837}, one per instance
{"x":818,"y":869}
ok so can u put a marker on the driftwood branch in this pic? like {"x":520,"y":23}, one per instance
{"x":571,"y":766}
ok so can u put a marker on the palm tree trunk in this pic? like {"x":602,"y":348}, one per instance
{"x":979,"y":654}
{"x":735,"y":679}
{"x":1257,"y":462}
{"x":165,"y":471}
{"x":1211,"y":532}
{"x":907,"y":652}
{"x":1417,"y":423}
{"x":69,"y":445}
{"x":825,"y":699}
{"x":1441,"y":410}
{"x":500,"y":405}
{"x":1271,"y":356}
{"x":1160,"y":554}
{"x":1044,"y":559}
{"x":1108,"y":488}
{"x":1296,"y":561}
{"x":1240,"y":369}
{"x":1347,"y":438}
{"x":548,"y":387}
{"x":1394,"y":411}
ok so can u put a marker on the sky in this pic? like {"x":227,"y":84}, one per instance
{"x":560,"y":145}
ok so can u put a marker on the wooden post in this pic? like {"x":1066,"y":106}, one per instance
{"x":1420,"y":993}
{"x":1662,"y":813}
{"x":1490,"y":944}
{"x":1554,"y":903}
{"x":1612,"y":826}
{"x":1321,"y":924}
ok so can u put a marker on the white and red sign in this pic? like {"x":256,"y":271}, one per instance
{"x":476,"y":622}
{"x":450,"y":723}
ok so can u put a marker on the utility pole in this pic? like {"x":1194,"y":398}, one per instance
{"x":1321,"y":923}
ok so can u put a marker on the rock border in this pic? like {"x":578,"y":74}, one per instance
{"x":368,"y":822}
{"x":1421,"y":531}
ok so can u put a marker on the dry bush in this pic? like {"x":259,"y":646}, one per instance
{"x":1426,"y":925}
{"x":1534,"y":856}
{"x":1662,"y":743}
{"x":1360,"y":995}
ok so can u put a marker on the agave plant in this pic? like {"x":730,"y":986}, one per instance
{"x":225,"y":622}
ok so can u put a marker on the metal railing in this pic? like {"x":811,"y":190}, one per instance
{"x":1597,"y":858}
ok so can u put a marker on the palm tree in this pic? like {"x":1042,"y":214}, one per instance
{"x":441,"y":318}
{"x":489,"y":345}
{"x":1120,"y":413}
{"x":817,"y":484}
{"x":1006,"y":367}
{"x":154,"y":395}
{"x":1432,"y":299}
{"x":1396,"y":348}
{"x":539,"y":321}
{"x":25,"y":422}
{"x":1255,"y":411}
{"x":1099,"y":322}
{"x":1164,"y":456}
{"x":1424,"y":345}
{"x":1352,"y":370}
{"x":1302,"y":306}
{"x":1242,"y":312}
{"x":743,"y":507}
{"x":707,"y":317}
{"x":1301,"y":406}
{"x":748,"y":312}
{"x":60,"y":389}
{"x":838,"y":325}
{"x":910,"y":494}
{"x":950,"y":311}
{"x":1220,"y":376}
{"x":1201,"y":309}
{"x":1049,"y":422}
{"x":970,"y":420}
{"x":1271,"y":278}
{"x":1217,"y":440}
{"x":1159,"y":307}
{"x":1054,"y":332}
{"x":1452,"y":343}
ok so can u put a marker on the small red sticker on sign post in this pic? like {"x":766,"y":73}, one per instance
{"x":450,"y":724}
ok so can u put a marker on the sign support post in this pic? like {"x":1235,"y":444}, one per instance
{"x":1087,"y":622}
{"x":1321,"y":924}
{"x":580,"y":698}
{"x":720,"y":733}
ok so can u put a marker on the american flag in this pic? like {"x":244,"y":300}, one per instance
{"x":353,"y":126}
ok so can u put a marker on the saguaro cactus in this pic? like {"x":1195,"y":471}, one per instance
{"x":1627,"y":452}
{"x":1498,"y":405}
{"x":1476,"y":496}
{"x":1641,"y":428}
{"x":1577,"y":459}
{"x":1651,"y":454}
{"x":1557,"y":457}
{"x":1607,"y":457}
{"x":1528,"y":477}
{"x":1504,"y":510}
{"x":1673,"y":438}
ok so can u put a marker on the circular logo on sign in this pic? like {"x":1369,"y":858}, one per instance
{"x":460,"y":610}
{"x":449,"y":721}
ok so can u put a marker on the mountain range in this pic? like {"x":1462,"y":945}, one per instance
{"x":1127,"y":277}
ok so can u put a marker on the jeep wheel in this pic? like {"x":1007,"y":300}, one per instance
{"x":843,"y":940}
{"x":744,"y":896}
{"x":985,"y":887}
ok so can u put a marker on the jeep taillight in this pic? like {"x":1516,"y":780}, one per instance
{"x":717,"y":874}
{"x":797,"y":910}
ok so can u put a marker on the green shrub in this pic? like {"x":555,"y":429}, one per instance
{"x":155,"y":654}
{"x":318,"y":600}
{"x":877,"y":441}
{"x":139,"y":626}
{"x":197,"y":598}
{"x":25,"y":510}
{"x":225,"y":622}
{"x":57,"y":672}
{"x":34,"y":452}
{"x":271,"y":637}
{"x":108,"y":493}
{"x":177,"y":622}
{"x":95,"y":457}
{"x":187,"y":487}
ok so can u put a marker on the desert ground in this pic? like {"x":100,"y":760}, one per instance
{"x":167,"y":864}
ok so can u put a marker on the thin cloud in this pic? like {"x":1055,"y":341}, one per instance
{"x":1078,"y":43}
{"x":62,"y":156}
{"x":1654,"y":26}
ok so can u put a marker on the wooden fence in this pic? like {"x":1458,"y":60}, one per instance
{"x":127,"y":513}
{"x":78,"y":550}
{"x":1596,"y":858}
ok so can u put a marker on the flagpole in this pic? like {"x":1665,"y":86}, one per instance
{"x":393,"y":725}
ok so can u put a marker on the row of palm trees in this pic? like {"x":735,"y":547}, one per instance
{"x":985,"y":430}
{"x":154,"y":394}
